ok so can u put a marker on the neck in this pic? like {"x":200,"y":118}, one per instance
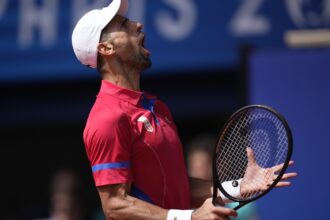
{"x":125,"y":82}
{"x":124,"y":78}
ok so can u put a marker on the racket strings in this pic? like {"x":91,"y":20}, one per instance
{"x":226,"y":160}
{"x":265,"y":134}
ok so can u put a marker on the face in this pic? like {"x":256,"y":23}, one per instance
{"x":200,"y":165}
{"x":127,"y":39}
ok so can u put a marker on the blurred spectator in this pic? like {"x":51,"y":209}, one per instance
{"x":199,"y":165}
{"x":66,"y":200}
{"x":199,"y":156}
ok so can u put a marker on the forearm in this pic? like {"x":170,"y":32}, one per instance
{"x":118,"y":205}
{"x":132,"y":208}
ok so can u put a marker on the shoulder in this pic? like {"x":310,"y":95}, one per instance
{"x":105,"y":116}
{"x":108,"y":110}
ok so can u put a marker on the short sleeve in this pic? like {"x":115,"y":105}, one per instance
{"x":108,"y":143}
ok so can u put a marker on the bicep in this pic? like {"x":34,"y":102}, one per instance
{"x":111,"y":192}
{"x":118,"y":204}
{"x":114,"y":199}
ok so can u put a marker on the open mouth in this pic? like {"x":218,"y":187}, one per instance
{"x":145,"y":51}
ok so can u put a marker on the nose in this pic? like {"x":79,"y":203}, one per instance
{"x":139,"y":26}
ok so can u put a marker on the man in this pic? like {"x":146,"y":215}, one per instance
{"x":130,"y":137}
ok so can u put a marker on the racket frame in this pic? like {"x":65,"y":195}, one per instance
{"x":217,"y":185}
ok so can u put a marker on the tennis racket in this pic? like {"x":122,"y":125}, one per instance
{"x":251,"y":155}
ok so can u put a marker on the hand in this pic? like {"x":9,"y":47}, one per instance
{"x":257,"y":179}
{"x":210,"y":212}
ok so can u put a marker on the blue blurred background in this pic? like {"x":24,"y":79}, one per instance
{"x":209,"y":58}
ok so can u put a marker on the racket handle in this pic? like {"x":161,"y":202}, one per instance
{"x":214,"y":196}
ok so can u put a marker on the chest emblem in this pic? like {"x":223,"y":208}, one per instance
{"x":147,"y":124}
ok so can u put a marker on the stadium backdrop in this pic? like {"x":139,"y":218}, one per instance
{"x":182,"y":35}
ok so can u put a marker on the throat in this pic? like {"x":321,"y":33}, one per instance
{"x":128,"y":81}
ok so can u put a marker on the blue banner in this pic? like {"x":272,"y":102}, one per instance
{"x":296,"y":83}
{"x":182,"y":35}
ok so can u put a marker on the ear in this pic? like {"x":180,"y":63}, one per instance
{"x":105,"y":49}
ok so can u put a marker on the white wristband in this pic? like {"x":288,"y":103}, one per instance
{"x":177,"y":214}
{"x":232,"y":187}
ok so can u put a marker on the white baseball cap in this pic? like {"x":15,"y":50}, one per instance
{"x":86,"y":35}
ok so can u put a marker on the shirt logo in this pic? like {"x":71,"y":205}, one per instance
{"x":146,"y":123}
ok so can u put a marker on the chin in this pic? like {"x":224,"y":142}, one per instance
{"x":149,"y":63}
{"x":146,"y":63}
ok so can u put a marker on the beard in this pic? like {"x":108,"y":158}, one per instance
{"x":146,"y":63}
{"x":139,"y":61}
{"x":135,"y":57}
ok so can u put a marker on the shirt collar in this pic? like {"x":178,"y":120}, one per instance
{"x":128,"y":95}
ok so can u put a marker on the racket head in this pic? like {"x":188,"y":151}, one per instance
{"x":260,"y":128}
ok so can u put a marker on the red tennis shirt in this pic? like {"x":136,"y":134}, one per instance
{"x":130,"y":137}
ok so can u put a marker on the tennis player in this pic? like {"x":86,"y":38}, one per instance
{"x":130,"y":137}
